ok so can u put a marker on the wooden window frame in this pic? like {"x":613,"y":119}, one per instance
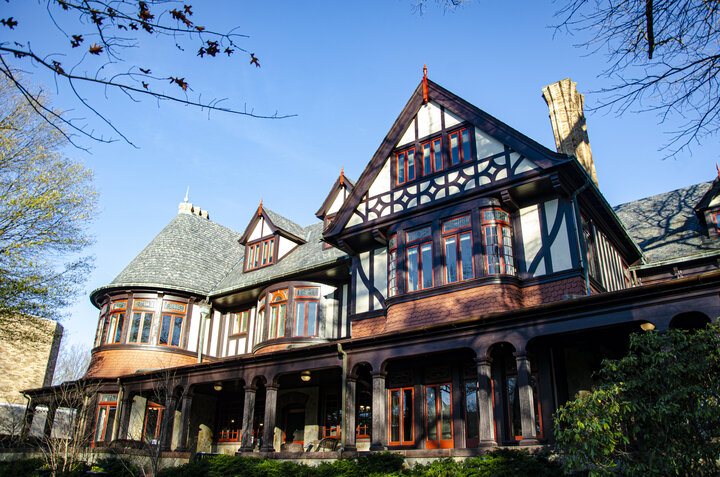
{"x":457,"y":233}
{"x":112,"y":337}
{"x":392,"y":266}
{"x":461,"y":146}
{"x":173,"y":315}
{"x":420,"y":279}
{"x":239,"y":324}
{"x":141,"y":324}
{"x":434,"y":150}
{"x":158,"y":422}
{"x":107,"y":405}
{"x":401,"y":442}
{"x":276,"y":305}
{"x":405,"y":166}
{"x":306,"y":302}
{"x":261,"y":253}
{"x":499,"y":226}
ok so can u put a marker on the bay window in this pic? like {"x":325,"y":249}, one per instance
{"x":497,"y":236}
{"x":171,"y":324}
{"x":306,"y":311}
{"x":278,"y":309}
{"x":260,"y":320}
{"x":116,"y":321}
{"x":405,"y":166}
{"x":141,"y":321}
{"x":419,"y":259}
{"x":457,"y":244}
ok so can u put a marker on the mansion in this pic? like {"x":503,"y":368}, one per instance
{"x":468,"y":284}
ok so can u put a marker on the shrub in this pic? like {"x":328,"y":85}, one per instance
{"x":21,"y":468}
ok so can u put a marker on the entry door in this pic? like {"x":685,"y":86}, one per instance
{"x":438,"y":416}
{"x":294,"y":430}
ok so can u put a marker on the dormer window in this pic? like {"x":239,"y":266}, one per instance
{"x":260,"y":254}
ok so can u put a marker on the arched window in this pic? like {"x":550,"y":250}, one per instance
{"x":278,"y":310}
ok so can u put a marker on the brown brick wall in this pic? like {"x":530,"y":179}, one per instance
{"x":468,"y":303}
{"x":28,"y":352}
{"x":112,"y":363}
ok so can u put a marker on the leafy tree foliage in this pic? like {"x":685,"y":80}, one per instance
{"x":46,"y":202}
{"x":657,"y":412}
{"x":663,"y":56}
{"x":94,"y":51}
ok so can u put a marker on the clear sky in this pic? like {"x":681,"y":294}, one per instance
{"x":346,"y":69}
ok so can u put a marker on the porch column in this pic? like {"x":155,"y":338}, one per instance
{"x":486,"y":417}
{"x":124,"y":412}
{"x":28,"y":419}
{"x":246,"y":444}
{"x":185,"y":407}
{"x":268,"y":440}
{"x":167,"y":422}
{"x":379,"y":411}
{"x":527,"y":404}
{"x":350,"y":403}
{"x":49,"y":419}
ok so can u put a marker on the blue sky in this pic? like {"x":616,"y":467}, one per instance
{"x":346,"y":69}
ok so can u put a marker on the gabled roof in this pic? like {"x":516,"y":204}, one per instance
{"x":522,"y":144}
{"x":342,"y":182}
{"x":277,"y":223}
{"x":665,"y":226}
{"x":708,"y":197}
{"x":191,"y":253}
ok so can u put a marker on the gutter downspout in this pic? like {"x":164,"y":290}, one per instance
{"x":578,"y":235}
{"x":343,"y":425}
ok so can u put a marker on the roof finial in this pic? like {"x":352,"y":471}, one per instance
{"x":187,"y":193}
{"x":342,"y":175}
{"x":718,"y":169}
{"x":425,"y":85}
{"x":260,"y":208}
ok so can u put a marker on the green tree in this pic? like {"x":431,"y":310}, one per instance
{"x":656,"y":413}
{"x":46,"y":203}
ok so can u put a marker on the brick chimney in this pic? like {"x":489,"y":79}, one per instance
{"x":568,"y":123}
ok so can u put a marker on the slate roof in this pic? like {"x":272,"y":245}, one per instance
{"x":285,"y":224}
{"x":302,"y":257}
{"x":665,"y":226}
{"x":190,"y":253}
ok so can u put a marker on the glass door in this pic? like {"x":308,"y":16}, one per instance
{"x":438,"y":416}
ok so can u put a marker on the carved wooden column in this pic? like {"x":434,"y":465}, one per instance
{"x":268,"y":442}
{"x":486,"y":416}
{"x":185,"y":408}
{"x":246,"y":443}
{"x":350,"y":405}
{"x":379,"y":412}
{"x":527,"y":404}
{"x":167,"y":423}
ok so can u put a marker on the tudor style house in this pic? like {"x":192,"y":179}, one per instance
{"x":466,"y":286}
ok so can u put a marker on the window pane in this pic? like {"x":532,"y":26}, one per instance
{"x":427,"y":262}
{"x":431,"y":409}
{"x":264,"y":253}
{"x":312,"y":319}
{"x":467,"y":155}
{"x":427,"y":159}
{"x":135,"y":327}
{"x":271,"y":250}
{"x":392,"y":274}
{"x":281,"y":320}
{"x":312,"y":292}
{"x":413,"y":270}
{"x":177,"y":329}
{"x":457,"y":223}
{"x":273,"y":322}
{"x":401,"y":168}
{"x":450,"y":260}
{"x":466,"y":256}
{"x":244,"y":316}
{"x":454,"y":149}
{"x":147,"y":324}
{"x":118,"y":331}
{"x":100,"y":424}
{"x":411,"y":164}
{"x":165,"y":329}
{"x":151,"y":423}
{"x":471,"y":410}
{"x":437,"y":152}
{"x":110,"y":423}
{"x":395,"y":416}
{"x":407,"y":415}
{"x":514,"y":406}
{"x":299,"y":318}
{"x":418,"y":234}
{"x":445,"y":412}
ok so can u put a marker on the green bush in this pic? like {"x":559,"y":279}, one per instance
{"x":498,"y":463}
{"x":21,"y":468}
{"x":194,"y":468}
{"x":119,"y":467}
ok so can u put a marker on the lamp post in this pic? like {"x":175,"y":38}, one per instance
{"x":205,"y":308}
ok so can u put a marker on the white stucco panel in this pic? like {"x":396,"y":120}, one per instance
{"x":428,"y":119}
{"x":451,"y":120}
{"x":361,"y":291}
{"x":257,"y":231}
{"x":531,"y":236}
{"x":380,"y":274}
{"x":284,"y":246}
{"x":337,"y":201}
{"x":194,"y":329}
{"x":486,"y":145}
{"x":382,"y":182}
{"x":409,"y":135}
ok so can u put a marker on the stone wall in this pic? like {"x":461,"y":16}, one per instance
{"x":30,"y":349}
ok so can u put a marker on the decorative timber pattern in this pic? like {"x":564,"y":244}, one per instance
{"x":488,"y":170}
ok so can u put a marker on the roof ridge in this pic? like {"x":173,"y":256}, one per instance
{"x":661,"y":193}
